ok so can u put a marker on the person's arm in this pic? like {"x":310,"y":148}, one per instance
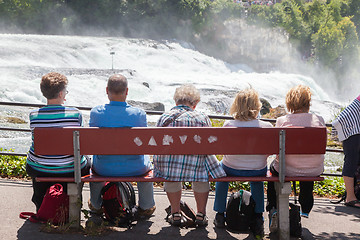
{"x":80,"y":120}
{"x":93,"y":118}
{"x":143,"y":121}
{"x":279,"y":122}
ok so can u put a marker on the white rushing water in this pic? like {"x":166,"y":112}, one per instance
{"x":87,"y":63}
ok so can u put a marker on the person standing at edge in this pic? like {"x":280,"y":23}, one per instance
{"x":53,"y":87}
{"x":188,"y":168}
{"x":119,"y":114}
{"x":347,"y":124}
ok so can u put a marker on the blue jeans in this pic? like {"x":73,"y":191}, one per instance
{"x":257,"y":189}
{"x":145,"y":193}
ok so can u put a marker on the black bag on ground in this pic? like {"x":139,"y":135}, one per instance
{"x":119,"y":203}
{"x":295,"y":220}
{"x":240,"y":211}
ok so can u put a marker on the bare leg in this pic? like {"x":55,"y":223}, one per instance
{"x":349,"y":186}
{"x":201,"y":201}
{"x":174,"y":199}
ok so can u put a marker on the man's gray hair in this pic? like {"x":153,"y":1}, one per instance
{"x":117,"y":84}
{"x":187,"y":94}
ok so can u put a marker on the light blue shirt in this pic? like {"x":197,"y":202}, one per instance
{"x":119,"y":114}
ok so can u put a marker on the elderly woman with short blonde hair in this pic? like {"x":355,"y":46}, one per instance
{"x":245,"y":110}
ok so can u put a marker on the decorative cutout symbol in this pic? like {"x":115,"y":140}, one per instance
{"x":138,"y":141}
{"x":212,"y":139}
{"x":152,"y":141}
{"x":167,"y":140}
{"x":197,"y":138}
{"x":183,"y":139}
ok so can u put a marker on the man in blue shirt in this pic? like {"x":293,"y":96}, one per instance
{"x":120,"y":114}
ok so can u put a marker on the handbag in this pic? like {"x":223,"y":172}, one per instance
{"x":53,"y":209}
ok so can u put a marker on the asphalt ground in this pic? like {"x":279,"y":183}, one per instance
{"x":326,"y":221}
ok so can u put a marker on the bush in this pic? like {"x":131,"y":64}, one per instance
{"x":12,"y":166}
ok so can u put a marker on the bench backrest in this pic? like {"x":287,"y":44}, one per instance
{"x":188,"y":140}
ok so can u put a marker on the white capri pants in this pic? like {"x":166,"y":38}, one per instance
{"x":199,"y":187}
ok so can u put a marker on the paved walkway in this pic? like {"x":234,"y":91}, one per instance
{"x":327,"y":221}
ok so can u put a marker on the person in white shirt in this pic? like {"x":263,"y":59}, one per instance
{"x":245,"y":110}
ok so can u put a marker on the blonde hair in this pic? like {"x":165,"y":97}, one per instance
{"x":187,"y":94}
{"x":246,"y":105}
{"x":298,"y":98}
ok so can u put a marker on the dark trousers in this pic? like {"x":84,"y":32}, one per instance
{"x":306,"y":198}
{"x":40,"y":188}
{"x":351,"y":148}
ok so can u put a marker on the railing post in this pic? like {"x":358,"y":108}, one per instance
{"x":283,"y":190}
{"x":77,"y":156}
{"x":282,"y":157}
{"x":74,"y":189}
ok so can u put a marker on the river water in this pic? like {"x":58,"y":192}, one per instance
{"x":154,"y":69}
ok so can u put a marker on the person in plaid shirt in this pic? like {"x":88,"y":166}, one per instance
{"x":188,"y":168}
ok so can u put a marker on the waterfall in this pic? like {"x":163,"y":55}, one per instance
{"x":153,"y":68}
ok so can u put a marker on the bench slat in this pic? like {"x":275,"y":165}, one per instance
{"x":150,"y":178}
{"x":187,"y":140}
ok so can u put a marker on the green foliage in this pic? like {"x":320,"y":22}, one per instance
{"x":326,"y":31}
{"x":331,"y":186}
{"x":12,"y":166}
{"x":217,"y":122}
{"x":328,"y":43}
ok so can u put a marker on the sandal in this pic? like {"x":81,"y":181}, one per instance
{"x":201,"y":220}
{"x":175,"y":219}
{"x":353,"y":204}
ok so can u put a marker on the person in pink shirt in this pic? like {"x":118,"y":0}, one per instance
{"x":298,"y":104}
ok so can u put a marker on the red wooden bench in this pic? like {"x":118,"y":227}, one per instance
{"x":191,"y":140}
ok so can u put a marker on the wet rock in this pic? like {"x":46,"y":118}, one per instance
{"x":146,"y":84}
{"x":266,"y":106}
{"x":15,"y":120}
{"x":275,"y":112}
{"x":156,"y":106}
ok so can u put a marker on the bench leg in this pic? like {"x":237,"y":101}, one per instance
{"x":75,"y":202}
{"x":282,"y":195}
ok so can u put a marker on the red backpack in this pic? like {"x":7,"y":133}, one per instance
{"x":54,"y":208}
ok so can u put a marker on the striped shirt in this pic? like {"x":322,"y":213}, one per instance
{"x":347,"y":123}
{"x":189,"y":168}
{"x":53,"y":116}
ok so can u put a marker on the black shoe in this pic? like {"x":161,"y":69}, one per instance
{"x":257,"y":227}
{"x":201,"y":220}
{"x":175,"y":219}
{"x":219,"y":220}
{"x":94,"y":220}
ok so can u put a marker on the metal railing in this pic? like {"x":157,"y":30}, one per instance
{"x":149,"y":112}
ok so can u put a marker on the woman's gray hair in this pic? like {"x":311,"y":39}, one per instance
{"x":187,"y":94}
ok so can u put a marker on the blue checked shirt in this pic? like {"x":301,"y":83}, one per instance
{"x":188,"y":168}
